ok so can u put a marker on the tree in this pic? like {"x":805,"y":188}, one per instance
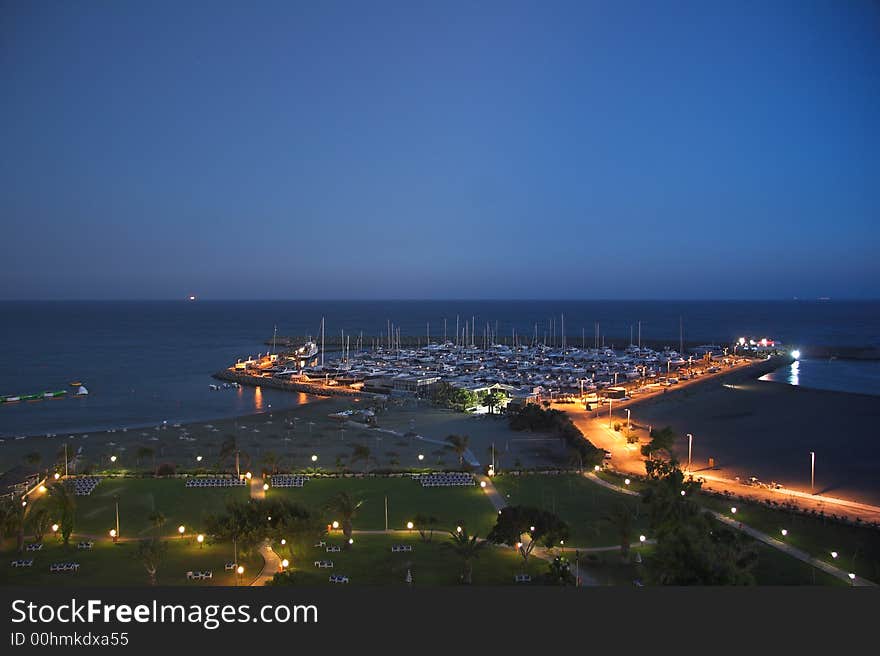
{"x":533,"y":417}
{"x":493,"y":399}
{"x":63,"y":504}
{"x":250,"y":523}
{"x":468,"y":549}
{"x":33,"y":458}
{"x":150,"y":553}
{"x":157,"y":519}
{"x":345,"y":507}
{"x":144,"y":452}
{"x":692,"y":548}
{"x":458,"y":444}
{"x":270,"y":461}
{"x":15,"y":520}
{"x":284,"y":578}
{"x":40,"y":520}
{"x":559,"y":572}
{"x":425,"y":524}
{"x":662,"y":441}
{"x":456,"y":398}
{"x":622,"y":520}
{"x":227,"y":448}
{"x":523,"y":527}
{"x":361,"y":452}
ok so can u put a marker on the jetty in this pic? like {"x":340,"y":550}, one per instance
{"x":313,"y":387}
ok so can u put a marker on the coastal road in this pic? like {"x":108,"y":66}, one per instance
{"x":627,"y":459}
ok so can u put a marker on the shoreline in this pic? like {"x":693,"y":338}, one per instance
{"x":759,"y":428}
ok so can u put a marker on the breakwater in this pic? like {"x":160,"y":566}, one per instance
{"x":315,"y":389}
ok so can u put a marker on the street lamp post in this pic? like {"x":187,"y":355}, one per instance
{"x":628,"y":422}
{"x":812,"y":472}
{"x":610,"y":404}
{"x":690,"y":449}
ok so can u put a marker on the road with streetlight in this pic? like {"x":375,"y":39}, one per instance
{"x":628,"y":459}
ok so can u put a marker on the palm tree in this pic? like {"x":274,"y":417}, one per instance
{"x":361,"y":452}
{"x":459,"y":444}
{"x":468,"y":548}
{"x":150,"y":553}
{"x":144,"y":452}
{"x":6,"y":511}
{"x":64,"y":504}
{"x":425,"y":525}
{"x":270,"y":461}
{"x":622,"y":519}
{"x":227,"y":448}
{"x":345,"y":507}
{"x":40,"y":522}
{"x":157,"y":517}
{"x":15,"y":520}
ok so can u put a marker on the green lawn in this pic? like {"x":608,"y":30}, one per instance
{"x":578,"y":501}
{"x":858,"y":547}
{"x":452,"y":506}
{"x":777,"y":568}
{"x":138,"y":497}
{"x":370,"y":562}
{"x":111,"y":565}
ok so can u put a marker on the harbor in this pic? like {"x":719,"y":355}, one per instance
{"x":552,"y":367}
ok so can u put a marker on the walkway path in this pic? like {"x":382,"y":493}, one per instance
{"x":271,"y":560}
{"x":758,"y":535}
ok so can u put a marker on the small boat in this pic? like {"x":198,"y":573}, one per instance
{"x":82,"y":391}
{"x":55,"y":395}
{"x":76,"y":383}
{"x":10,"y":399}
{"x":32,"y":397}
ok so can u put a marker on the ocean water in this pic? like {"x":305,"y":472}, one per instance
{"x":148,"y":362}
{"x":834,"y":375}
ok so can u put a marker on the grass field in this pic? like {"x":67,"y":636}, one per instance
{"x":858,"y":547}
{"x":578,"y":501}
{"x":370,"y":562}
{"x":466,"y":506}
{"x":117,"y":564}
{"x":96,"y":513}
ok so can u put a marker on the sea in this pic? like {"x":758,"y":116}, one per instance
{"x":148,"y":362}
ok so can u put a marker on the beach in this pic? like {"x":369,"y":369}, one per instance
{"x":289,"y":437}
{"x":762,"y":429}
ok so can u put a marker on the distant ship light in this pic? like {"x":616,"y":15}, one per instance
{"x":796,"y":354}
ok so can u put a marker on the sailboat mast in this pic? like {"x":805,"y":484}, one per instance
{"x":680,"y":336}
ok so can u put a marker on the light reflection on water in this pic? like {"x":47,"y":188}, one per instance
{"x":793,"y":374}
{"x":861,"y":377}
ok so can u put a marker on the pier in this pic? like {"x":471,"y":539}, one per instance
{"x":315,"y":388}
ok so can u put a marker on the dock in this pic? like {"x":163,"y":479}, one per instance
{"x":313,"y":388}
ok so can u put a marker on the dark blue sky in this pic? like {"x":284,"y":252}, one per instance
{"x":455,"y":150}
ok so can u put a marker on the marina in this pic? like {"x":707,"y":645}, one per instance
{"x":539,"y":369}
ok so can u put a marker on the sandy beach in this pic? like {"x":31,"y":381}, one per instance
{"x":761,"y":429}
{"x":292,"y":435}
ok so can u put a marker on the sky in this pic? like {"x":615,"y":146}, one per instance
{"x":356,"y":150}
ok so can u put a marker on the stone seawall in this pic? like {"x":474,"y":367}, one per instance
{"x":292,"y":386}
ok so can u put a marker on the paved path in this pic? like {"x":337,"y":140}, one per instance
{"x":762,"y":537}
{"x":271,"y":560}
